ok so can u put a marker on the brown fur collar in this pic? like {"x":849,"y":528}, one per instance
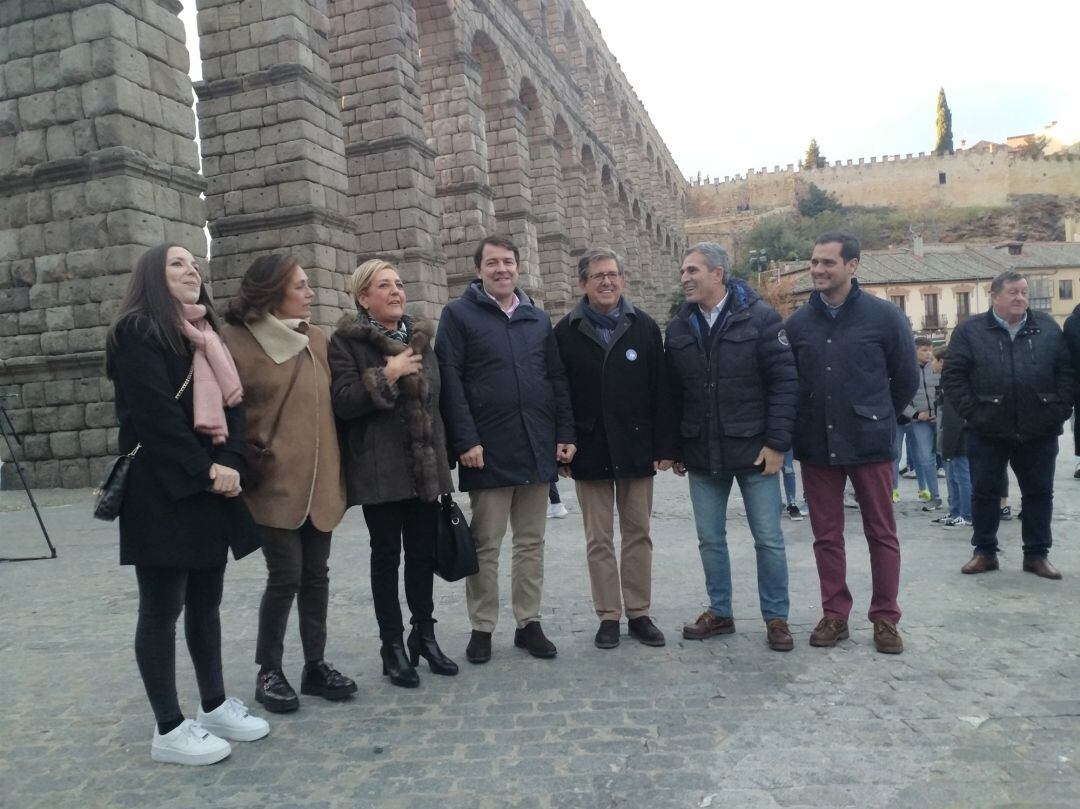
{"x":355,"y":328}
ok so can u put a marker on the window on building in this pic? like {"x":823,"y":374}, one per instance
{"x":963,"y":306}
{"x":1065,"y":290}
{"x":900,"y":301}
{"x":931,"y":320}
{"x":1040,"y":292}
{"x":941,"y":178}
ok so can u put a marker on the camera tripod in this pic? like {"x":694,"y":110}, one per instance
{"x":8,"y":431}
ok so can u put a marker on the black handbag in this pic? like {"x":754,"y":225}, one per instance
{"x":109,"y":495}
{"x":455,"y":551}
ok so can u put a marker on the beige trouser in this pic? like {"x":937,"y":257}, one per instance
{"x":598,"y":500}
{"x":526,"y":509}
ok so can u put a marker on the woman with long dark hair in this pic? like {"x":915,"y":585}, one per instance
{"x":386,"y":391}
{"x":177,"y":397}
{"x":299,"y":496}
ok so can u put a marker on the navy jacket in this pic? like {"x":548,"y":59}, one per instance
{"x":732,"y":390}
{"x":619,"y":395}
{"x":857,"y":372}
{"x":1018,"y":389}
{"x":503,"y":387}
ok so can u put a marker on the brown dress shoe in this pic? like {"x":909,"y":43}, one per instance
{"x":1041,"y":567}
{"x":708,"y":625}
{"x":887,"y":639}
{"x":828,"y":632}
{"x":980,"y":564}
{"x":779,"y":636}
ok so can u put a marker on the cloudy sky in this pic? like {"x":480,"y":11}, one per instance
{"x":738,"y":85}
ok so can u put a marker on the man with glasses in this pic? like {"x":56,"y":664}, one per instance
{"x":732,"y":378}
{"x":614,"y":361}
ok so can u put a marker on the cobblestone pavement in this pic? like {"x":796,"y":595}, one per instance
{"x":982,"y":709}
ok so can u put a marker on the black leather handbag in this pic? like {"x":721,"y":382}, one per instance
{"x":109,"y":495}
{"x":455,"y":551}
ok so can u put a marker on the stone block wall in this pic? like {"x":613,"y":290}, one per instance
{"x":97,"y":162}
{"x":335,"y":130}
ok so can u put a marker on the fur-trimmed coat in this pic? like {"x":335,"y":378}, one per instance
{"x":394,"y":443}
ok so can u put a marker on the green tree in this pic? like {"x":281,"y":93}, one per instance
{"x":1034,"y":146}
{"x":814,"y":159}
{"x":816,"y":201}
{"x":944,"y":143}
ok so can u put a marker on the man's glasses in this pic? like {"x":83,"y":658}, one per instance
{"x":605,"y":276}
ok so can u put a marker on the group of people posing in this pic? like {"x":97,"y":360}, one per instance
{"x":261,"y":431}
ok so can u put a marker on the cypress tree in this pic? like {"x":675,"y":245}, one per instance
{"x":944,"y":143}
{"x":813,"y":159}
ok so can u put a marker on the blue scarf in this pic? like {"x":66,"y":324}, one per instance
{"x":604,"y":324}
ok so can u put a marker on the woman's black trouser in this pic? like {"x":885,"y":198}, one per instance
{"x":411,"y":523}
{"x":163,"y":593}
{"x":296,"y":568}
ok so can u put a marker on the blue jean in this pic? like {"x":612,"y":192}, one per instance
{"x":921,"y":456}
{"x":790,"y":491}
{"x":709,"y":497}
{"x":958,"y":478}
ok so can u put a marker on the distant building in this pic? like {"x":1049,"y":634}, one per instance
{"x":940,"y":285}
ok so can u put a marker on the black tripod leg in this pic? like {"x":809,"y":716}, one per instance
{"x":5,"y":420}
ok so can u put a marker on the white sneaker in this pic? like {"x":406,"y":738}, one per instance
{"x":188,"y":744}
{"x":231,"y":720}
{"x":556,"y":511}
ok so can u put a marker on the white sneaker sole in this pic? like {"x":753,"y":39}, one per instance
{"x":236,"y":734}
{"x":167,"y":755}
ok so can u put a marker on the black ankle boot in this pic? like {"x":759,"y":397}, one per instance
{"x":395,"y":664}
{"x":422,"y":643}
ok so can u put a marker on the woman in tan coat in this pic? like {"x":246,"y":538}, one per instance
{"x":297,"y":495}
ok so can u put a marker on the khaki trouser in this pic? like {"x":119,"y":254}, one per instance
{"x":598,"y":500}
{"x":526,"y":509}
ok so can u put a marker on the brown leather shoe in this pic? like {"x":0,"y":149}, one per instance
{"x":708,"y":625}
{"x":887,"y":639}
{"x":980,"y":564}
{"x":779,"y":636}
{"x":828,"y":632}
{"x":1041,"y":567}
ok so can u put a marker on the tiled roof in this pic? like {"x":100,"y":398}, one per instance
{"x":955,"y":262}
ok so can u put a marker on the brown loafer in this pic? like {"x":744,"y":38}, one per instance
{"x":1041,"y":567}
{"x":708,"y":625}
{"x":980,"y":564}
{"x":887,"y":639}
{"x":829,"y":631}
{"x":778,"y":635}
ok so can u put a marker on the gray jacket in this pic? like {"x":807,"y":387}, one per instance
{"x":926,"y":394}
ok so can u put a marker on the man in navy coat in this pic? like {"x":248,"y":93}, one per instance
{"x":855,"y":355}
{"x":506,"y":407}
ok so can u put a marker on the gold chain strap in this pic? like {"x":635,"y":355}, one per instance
{"x":179,"y":393}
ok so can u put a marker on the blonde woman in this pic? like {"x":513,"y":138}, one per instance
{"x":386,"y":392}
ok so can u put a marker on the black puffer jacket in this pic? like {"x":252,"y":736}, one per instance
{"x":619,"y":395}
{"x":733,"y":391}
{"x":504,"y":388}
{"x":1018,"y":389}
{"x":857,"y":372}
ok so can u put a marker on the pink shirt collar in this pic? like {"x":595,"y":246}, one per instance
{"x":509,"y":311}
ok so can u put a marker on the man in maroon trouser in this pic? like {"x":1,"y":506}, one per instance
{"x":856,"y":362}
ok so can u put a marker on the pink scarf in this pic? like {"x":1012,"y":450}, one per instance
{"x":215,"y":382}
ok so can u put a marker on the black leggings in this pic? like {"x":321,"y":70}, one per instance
{"x":410,"y":524}
{"x":163,"y":592}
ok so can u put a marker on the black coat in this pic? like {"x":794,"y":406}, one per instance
{"x":619,"y":395}
{"x":504,"y":388}
{"x":857,"y":372}
{"x":733,"y":389}
{"x":394,"y":442}
{"x":951,"y":428}
{"x":168,"y":518}
{"x":1018,"y":389}
{"x":1071,"y":330}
